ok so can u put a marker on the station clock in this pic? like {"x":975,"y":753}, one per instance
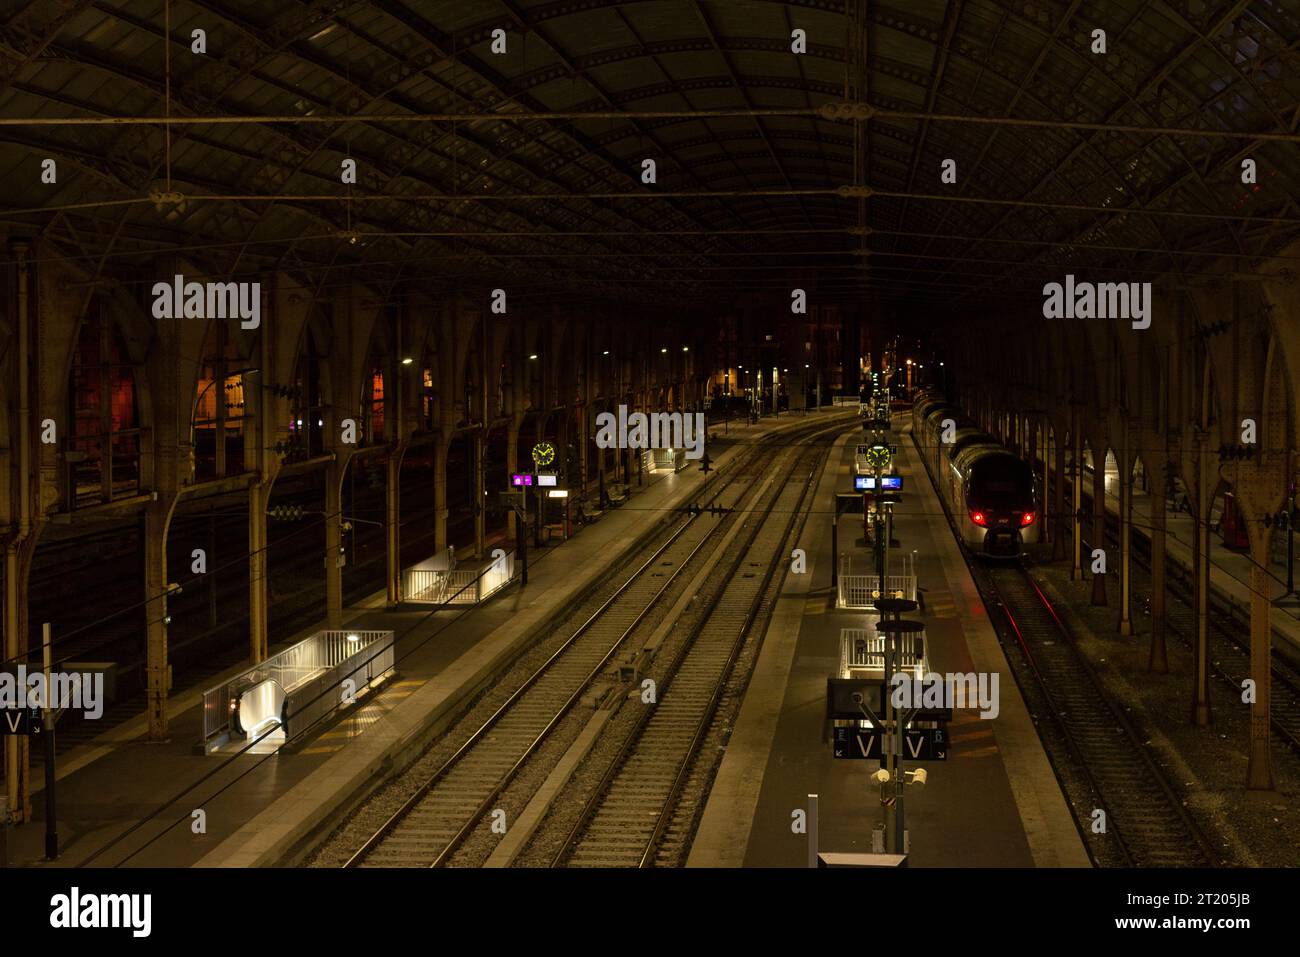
{"x":879,"y":456}
{"x":543,"y":454}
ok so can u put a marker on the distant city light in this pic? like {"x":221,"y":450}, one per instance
{"x":532,"y":357}
{"x":407,"y":361}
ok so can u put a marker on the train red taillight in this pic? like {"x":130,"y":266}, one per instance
{"x":979,"y":518}
{"x":1027,"y":519}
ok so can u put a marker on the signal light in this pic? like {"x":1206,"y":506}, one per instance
{"x":1027,"y":519}
{"x":978,"y":518}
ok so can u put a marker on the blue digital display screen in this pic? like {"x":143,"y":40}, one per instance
{"x":888,"y":483}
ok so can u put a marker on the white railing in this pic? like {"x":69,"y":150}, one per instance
{"x":460,"y":587}
{"x":496,"y":576}
{"x":861,"y":591}
{"x":310,"y":674}
{"x":862,"y":653}
{"x":668,"y":460}
{"x":858,"y":591}
{"x":457,"y":586}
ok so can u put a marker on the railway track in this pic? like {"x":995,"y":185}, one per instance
{"x":436,"y":820}
{"x":642,"y":813}
{"x":1146,"y":822}
{"x":1229,"y":654}
{"x":1099,"y":757}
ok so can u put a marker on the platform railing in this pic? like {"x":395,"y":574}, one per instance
{"x":425,"y":585}
{"x":362,"y":662}
{"x":862,"y":650}
{"x":457,"y":586}
{"x":859,"y":591}
{"x":311,"y":675}
{"x":668,"y":460}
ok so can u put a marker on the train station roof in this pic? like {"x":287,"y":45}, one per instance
{"x":514,"y":134}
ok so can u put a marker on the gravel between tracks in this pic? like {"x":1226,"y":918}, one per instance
{"x":1209,"y":764}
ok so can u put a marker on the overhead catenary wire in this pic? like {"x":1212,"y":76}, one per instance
{"x":654,"y":195}
{"x":157,"y":812}
{"x":836,"y":111}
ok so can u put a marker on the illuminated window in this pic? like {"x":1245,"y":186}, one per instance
{"x":104,"y":448}
{"x":377,"y":406}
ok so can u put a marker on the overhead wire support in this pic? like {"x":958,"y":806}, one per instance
{"x":835,"y":111}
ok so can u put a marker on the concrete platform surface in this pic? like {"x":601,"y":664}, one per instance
{"x":124,"y":800}
{"x":994,"y":802}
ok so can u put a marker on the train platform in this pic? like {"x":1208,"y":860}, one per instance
{"x":1229,"y":569}
{"x":122,"y":800}
{"x":994,"y":803}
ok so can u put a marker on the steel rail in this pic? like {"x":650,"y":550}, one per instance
{"x":394,"y":820}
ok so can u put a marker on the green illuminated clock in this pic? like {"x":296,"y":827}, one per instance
{"x":543,"y":454}
{"x":879,"y":456}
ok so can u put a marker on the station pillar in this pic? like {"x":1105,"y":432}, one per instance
{"x":157,"y":519}
{"x":165,"y":453}
{"x":1076,"y":497}
{"x":1058,"y":501}
{"x":441,"y":446}
{"x":28,"y":467}
{"x":393,"y":522}
{"x":602,"y":466}
{"x":1125,"y":462}
{"x":1099,"y":517}
{"x":1158,"y":471}
{"x":480,"y":493}
{"x":1260,"y":487}
{"x":258,"y":493}
{"x":1201,"y":715}
{"x":334,"y":544}
{"x":584,"y":464}
{"x":513,"y":528}
{"x":17,"y":748}
{"x":1043,"y":451}
{"x":1259,"y":772}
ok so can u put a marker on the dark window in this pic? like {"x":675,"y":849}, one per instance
{"x":1002,"y":481}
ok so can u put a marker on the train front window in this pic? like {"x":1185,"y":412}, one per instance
{"x":1002,"y":483}
{"x":1000,"y":486}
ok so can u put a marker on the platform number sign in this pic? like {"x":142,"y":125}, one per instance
{"x":21,"y":721}
{"x":919,"y":744}
{"x":543,"y":454}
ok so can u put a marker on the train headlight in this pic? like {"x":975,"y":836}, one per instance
{"x":1027,"y":519}
{"x":979,"y":518}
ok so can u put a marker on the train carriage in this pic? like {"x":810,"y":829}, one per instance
{"x":991,"y":493}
